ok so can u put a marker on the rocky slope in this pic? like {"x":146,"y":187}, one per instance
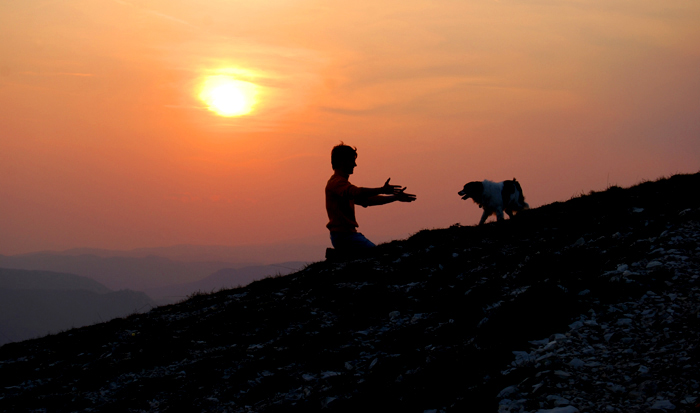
{"x":585,"y":306}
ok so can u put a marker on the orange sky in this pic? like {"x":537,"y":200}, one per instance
{"x":104,"y":143}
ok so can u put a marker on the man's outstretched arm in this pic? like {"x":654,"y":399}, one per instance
{"x":400,"y":196}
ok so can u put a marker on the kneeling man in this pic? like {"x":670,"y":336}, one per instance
{"x":341,"y":197}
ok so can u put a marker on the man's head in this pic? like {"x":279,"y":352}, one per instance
{"x":343,"y":158}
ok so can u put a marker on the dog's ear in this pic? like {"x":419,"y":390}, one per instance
{"x":473,"y":188}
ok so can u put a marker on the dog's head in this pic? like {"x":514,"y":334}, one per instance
{"x":473,"y":190}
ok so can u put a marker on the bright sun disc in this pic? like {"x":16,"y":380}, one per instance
{"x":226,"y":96}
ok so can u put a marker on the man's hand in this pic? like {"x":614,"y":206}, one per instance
{"x":401,"y":196}
{"x":391,"y":189}
{"x":397,"y":195}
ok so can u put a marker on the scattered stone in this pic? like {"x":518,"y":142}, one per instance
{"x":567,"y":409}
{"x":611,"y":362}
{"x":508,"y":391}
{"x":663,"y":405}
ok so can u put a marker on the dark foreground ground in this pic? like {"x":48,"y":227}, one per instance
{"x":589,"y":305}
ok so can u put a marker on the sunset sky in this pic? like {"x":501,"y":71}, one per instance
{"x":105,"y":141}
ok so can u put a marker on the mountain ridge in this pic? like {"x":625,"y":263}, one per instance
{"x":584,"y":305}
{"x":23,"y":291}
{"x":148,"y":273}
{"x":14,"y":279}
{"x":31,"y":313}
{"x":222,"y":279}
{"x":232,"y":256}
{"x":117,"y":272}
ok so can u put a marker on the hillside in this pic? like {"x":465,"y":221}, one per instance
{"x":589,"y":305}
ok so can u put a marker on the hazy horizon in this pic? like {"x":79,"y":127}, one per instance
{"x":107,"y":140}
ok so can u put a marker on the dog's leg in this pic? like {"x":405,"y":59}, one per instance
{"x":499,"y":214}
{"x":484,"y":216}
{"x":510,"y":213}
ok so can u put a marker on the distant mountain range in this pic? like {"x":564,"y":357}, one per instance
{"x":117,"y":272}
{"x":224,"y":278}
{"x":35,"y":303}
{"x":136,"y":273}
{"x":307,"y":249}
{"x":12,"y":279}
{"x":48,"y":292}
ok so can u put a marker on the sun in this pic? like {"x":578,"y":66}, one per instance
{"x":227,"y":96}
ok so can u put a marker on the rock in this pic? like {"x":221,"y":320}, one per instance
{"x":508,"y":391}
{"x":328,"y":402}
{"x":511,"y":406}
{"x":558,"y":400}
{"x":663,"y":405}
{"x":576,"y":325}
{"x":567,"y":409}
{"x":611,"y":337}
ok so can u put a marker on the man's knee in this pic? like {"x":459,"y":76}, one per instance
{"x":350,"y":241}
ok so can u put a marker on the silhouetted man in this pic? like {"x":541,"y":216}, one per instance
{"x":341,"y":197}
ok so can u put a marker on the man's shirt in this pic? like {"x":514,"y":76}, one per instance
{"x":341,"y":197}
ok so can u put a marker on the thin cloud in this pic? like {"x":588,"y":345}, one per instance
{"x":158,"y":14}
{"x":57,"y":74}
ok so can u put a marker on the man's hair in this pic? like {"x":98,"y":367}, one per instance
{"x":342,"y":152}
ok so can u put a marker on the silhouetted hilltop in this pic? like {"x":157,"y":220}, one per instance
{"x":589,"y":305}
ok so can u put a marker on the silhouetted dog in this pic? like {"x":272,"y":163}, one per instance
{"x":496,"y":197}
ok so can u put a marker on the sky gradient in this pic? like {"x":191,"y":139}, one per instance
{"x":104,"y":142}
